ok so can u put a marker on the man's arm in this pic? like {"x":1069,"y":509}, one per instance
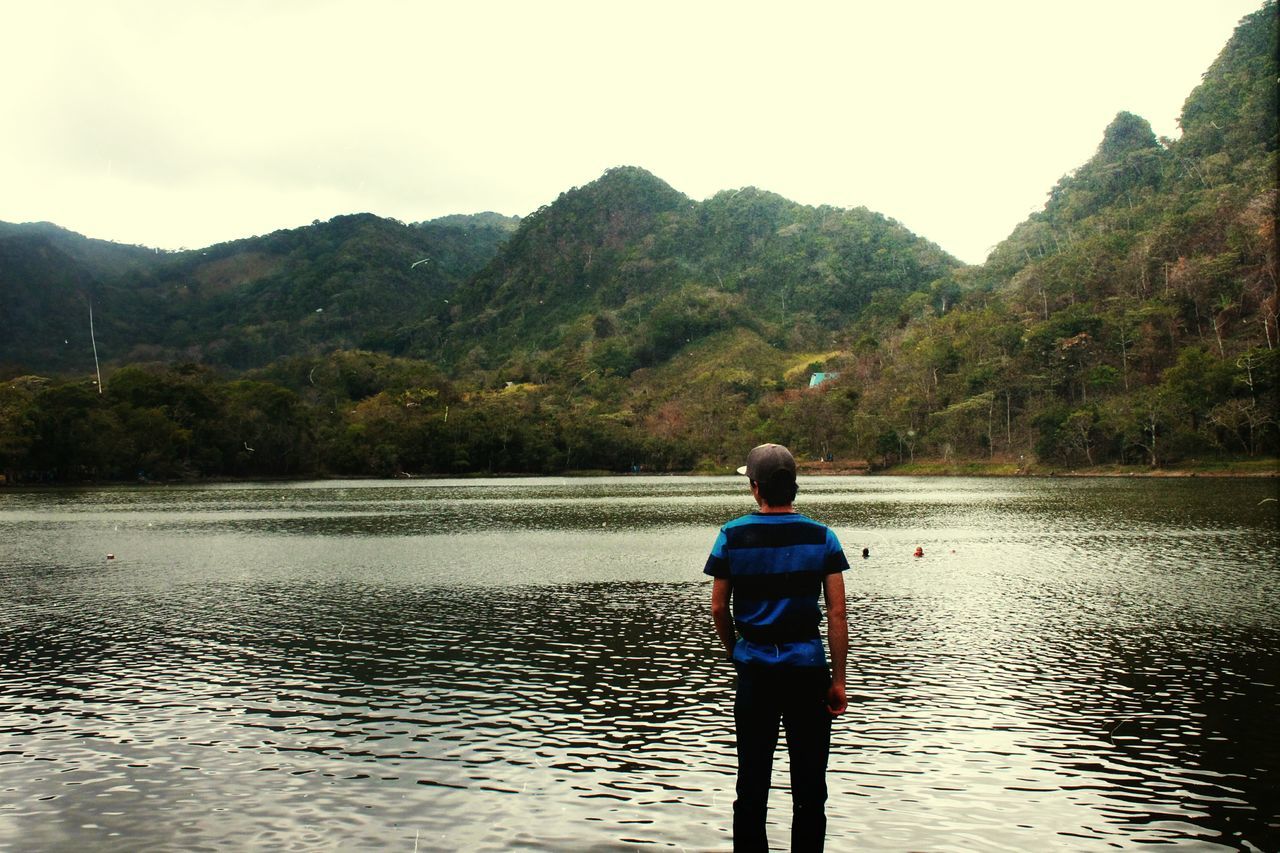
{"x":837,"y":640}
{"x":720,"y":589}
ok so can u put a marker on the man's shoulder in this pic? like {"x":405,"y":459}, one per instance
{"x":774,"y":518}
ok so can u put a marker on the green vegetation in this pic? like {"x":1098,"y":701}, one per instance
{"x":354,"y":281}
{"x":1131,"y":324}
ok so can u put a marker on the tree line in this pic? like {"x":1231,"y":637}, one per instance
{"x":362,"y":414}
{"x":161,"y":423}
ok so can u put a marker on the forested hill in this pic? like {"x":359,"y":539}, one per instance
{"x":1132,"y":321}
{"x":47,"y":275}
{"x":354,"y":281}
{"x":1135,"y":316}
{"x":626,"y":272}
{"x":624,"y":254}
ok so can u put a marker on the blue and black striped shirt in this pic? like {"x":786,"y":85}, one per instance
{"x":776,"y":563}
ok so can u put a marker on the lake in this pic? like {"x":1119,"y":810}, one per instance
{"x":1074,"y":664}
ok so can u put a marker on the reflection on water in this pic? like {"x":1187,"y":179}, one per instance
{"x":1077,"y":665}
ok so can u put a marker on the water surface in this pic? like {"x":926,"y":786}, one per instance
{"x":486,"y":665}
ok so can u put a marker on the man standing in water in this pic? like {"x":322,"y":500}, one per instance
{"x":771,"y":565}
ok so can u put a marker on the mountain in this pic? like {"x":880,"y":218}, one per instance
{"x":627,"y":256}
{"x":1131,"y":321}
{"x":474,"y":221}
{"x":49,"y":277}
{"x":629,"y":270}
{"x":1135,"y":316}
{"x":354,"y":281}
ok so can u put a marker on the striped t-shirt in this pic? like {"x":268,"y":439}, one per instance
{"x":776,"y":563}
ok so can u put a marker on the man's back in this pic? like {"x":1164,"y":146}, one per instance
{"x":776,"y":564}
{"x":769,"y":568}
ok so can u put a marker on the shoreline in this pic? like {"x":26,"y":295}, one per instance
{"x":1256,"y":469}
{"x":935,"y":468}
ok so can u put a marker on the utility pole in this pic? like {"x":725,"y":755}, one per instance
{"x":93,"y":339}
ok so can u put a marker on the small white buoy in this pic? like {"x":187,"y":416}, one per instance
{"x":111,"y":556}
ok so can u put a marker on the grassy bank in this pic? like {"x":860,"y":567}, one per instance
{"x":1258,"y":467}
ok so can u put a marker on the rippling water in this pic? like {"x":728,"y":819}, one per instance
{"x":1074,"y":665}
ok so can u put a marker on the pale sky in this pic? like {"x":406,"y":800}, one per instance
{"x":171,"y":123}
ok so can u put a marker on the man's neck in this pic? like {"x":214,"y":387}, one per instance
{"x":774,"y":510}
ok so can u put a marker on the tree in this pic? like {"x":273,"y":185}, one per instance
{"x":1078,"y":429}
{"x":265,"y":430}
{"x":17,"y":425}
{"x":966,"y":425}
{"x":68,"y":440}
{"x":1243,"y":421}
{"x":1141,"y":421}
{"x":1195,"y":384}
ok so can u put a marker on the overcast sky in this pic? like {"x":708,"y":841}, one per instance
{"x":174,"y":123}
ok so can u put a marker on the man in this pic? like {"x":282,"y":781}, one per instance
{"x":771,"y":565}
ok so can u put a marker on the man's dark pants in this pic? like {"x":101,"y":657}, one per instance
{"x":796,"y":696}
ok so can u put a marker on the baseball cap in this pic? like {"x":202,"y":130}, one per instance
{"x":765,"y":461}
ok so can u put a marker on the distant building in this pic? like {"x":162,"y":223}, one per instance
{"x":817,"y":379}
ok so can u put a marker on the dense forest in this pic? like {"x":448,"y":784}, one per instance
{"x":1130,"y":322}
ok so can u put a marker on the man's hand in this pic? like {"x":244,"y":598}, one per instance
{"x":836,"y":699}
{"x":837,"y":640}
{"x":721,"y":589}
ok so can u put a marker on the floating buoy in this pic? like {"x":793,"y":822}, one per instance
{"x":111,"y":556}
